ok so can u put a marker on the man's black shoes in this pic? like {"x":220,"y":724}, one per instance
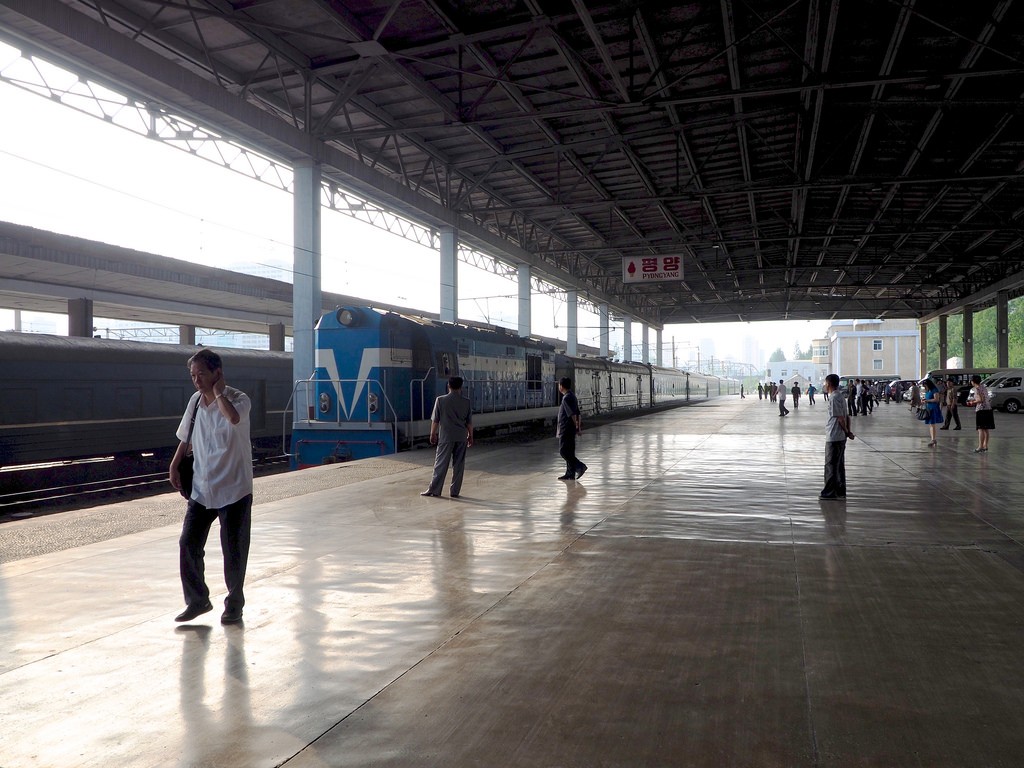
{"x":194,"y":610}
{"x":582,"y":470}
{"x":565,"y":477}
{"x":231,"y":616}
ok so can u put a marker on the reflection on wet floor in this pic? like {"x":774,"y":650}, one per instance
{"x":690,"y":602}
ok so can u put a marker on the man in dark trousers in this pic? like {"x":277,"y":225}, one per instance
{"x":783,"y":410}
{"x":836,"y":433}
{"x":569,"y":425}
{"x":221,"y":487}
{"x":451,"y":430}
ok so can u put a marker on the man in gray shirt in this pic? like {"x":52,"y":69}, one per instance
{"x":451,"y":430}
{"x":837,"y":431}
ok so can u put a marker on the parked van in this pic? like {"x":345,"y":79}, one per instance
{"x":961,"y":379}
{"x":1006,"y":389}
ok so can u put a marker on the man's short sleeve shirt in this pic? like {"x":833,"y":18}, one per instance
{"x":837,"y":408}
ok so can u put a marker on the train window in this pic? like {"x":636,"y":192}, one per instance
{"x":76,"y":405}
{"x":128,"y":402}
{"x":400,"y":348}
{"x":533,"y":372}
{"x":17,"y":406}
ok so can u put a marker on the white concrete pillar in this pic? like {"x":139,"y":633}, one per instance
{"x":572,"y":322}
{"x":275,"y":331}
{"x":449,"y":237}
{"x":922,"y":351}
{"x":80,"y":318}
{"x":646,"y":350}
{"x":1003,"y":329}
{"x":602,"y":312}
{"x":307,"y":303}
{"x":968,"y":338}
{"x":627,"y":339}
{"x":657,"y":347}
{"x":525,"y":305}
{"x":943,"y":342}
{"x":187,"y":335}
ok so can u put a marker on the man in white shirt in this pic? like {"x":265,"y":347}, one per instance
{"x":221,"y":487}
{"x":837,"y":432}
{"x":783,"y":410}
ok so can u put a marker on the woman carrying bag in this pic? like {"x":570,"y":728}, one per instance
{"x":933,"y":415}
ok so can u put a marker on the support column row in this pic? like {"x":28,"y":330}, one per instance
{"x":1002,"y":336}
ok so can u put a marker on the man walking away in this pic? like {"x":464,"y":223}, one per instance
{"x":569,"y":425}
{"x":783,"y":410}
{"x":451,"y":430}
{"x":836,"y":434}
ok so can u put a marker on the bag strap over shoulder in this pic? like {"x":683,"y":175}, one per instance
{"x":192,"y":423}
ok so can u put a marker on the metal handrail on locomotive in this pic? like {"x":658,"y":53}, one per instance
{"x":378,"y":373}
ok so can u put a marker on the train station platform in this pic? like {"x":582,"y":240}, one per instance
{"x":689,"y":602}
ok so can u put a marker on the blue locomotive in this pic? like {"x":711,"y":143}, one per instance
{"x":377,"y":374}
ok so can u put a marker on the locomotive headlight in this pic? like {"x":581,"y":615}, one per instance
{"x":373,"y":402}
{"x":347,"y":317}
{"x":325,"y":402}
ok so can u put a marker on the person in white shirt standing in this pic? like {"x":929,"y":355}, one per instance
{"x":221,"y":488}
{"x":837,"y":432}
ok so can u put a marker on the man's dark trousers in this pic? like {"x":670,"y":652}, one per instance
{"x":567,"y":450}
{"x":235,"y":525}
{"x":835,"y":468}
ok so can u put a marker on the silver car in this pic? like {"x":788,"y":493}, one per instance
{"x":1006,"y":389}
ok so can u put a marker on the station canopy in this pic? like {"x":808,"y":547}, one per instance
{"x":813,"y":159}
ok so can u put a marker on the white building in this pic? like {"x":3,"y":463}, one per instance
{"x":870,"y":349}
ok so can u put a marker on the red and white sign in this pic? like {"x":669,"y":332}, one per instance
{"x":644,"y":269}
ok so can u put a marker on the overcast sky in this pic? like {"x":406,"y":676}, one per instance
{"x":68,"y":172}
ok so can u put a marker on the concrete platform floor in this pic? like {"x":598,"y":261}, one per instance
{"x":689,"y":602}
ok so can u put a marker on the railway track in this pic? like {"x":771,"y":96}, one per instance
{"x":62,"y":489}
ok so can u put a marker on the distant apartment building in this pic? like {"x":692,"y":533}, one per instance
{"x":871,"y":349}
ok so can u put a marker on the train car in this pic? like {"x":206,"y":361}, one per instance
{"x":378,"y":373}
{"x":603,"y":386}
{"x":65,"y":398}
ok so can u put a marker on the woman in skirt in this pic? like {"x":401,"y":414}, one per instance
{"x":983,"y":414}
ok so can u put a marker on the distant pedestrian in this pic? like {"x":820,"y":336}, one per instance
{"x":783,"y":410}
{"x":983,"y":414}
{"x":866,"y":406}
{"x":810,"y":394}
{"x":932,"y":399}
{"x":570,"y":424}
{"x":742,"y":396}
{"x":451,"y":430}
{"x":952,"y":407}
{"x":795,"y":391}
{"x":836,"y":433}
{"x":760,"y":391}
